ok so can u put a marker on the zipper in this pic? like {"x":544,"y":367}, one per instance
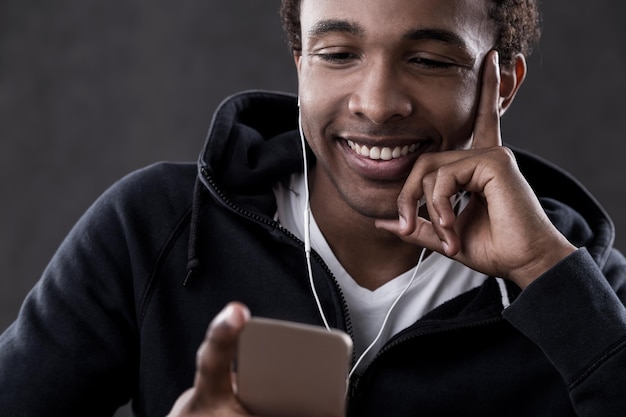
{"x":409,"y":334}
{"x":271,"y":223}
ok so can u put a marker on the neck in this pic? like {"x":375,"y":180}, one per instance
{"x":371,"y":256}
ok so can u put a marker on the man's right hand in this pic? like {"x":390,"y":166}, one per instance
{"x":213,"y":392}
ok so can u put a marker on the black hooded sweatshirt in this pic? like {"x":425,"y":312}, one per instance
{"x":125,"y":302}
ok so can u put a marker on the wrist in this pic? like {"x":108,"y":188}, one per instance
{"x":525,"y":275}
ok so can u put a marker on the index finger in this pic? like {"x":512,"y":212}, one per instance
{"x":487,"y":123}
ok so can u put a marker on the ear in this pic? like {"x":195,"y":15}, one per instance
{"x":297,"y":59}
{"x":511,"y":78}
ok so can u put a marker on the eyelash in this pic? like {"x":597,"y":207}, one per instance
{"x":431,"y":64}
{"x":336,"y":57}
{"x":344,"y":57}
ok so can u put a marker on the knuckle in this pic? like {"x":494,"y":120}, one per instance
{"x":500,"y":158}
{"x":442,"y":172}
{"x":505,"y":154}
{"x":424,"y":164}
{"x":403,"y":199}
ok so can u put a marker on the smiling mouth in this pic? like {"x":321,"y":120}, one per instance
{"x":384,"y":153}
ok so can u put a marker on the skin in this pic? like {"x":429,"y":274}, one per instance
{"x":363,"y":79}
{"x":388,"y":74}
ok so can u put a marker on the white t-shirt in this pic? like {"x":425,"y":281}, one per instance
{"x":437,"y":280}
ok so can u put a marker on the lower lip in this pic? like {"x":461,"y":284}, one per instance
{"x":380,"y":170}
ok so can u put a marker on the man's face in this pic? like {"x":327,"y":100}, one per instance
{"x":383,"y":81}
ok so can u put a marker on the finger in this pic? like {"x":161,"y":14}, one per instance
{"x":423,"y":234}
{"x":181,"y":403}
{"x":487,"y":123}
{"x":440,"y":209}
{"x":436,"y":203}
{"x":213,"y":380}
{"x":413,"y":195}
{"x":445,"y":196}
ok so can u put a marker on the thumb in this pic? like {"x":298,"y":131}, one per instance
{"x":216,"y":354}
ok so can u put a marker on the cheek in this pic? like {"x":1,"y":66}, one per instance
{"x":311,"y":86}
{"x":457,"y":111}
{"x":322,"y":89}
{"x":464,"y":108}
{"x":314,"y":120}
{"x":320,"y":106}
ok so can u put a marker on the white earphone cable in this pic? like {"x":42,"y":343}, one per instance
{"x":457,"y":199}
{"x":384,"y":324}
{"x":307,"y":250}
{"x":307,"y":222}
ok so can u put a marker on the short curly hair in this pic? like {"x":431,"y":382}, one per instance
{"x":518,"y":23}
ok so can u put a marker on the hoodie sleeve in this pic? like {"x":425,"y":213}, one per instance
{"x":575,"y":313}
{"x":73,"y":350}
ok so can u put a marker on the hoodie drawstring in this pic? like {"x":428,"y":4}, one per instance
{"x":504,"y":293}
{"x":192,"y":250}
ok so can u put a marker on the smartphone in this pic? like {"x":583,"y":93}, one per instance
{"x":288,"y":369}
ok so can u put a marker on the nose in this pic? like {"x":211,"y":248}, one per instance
{"x":379,"y":94}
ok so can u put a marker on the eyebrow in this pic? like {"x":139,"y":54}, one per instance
{"x":343,"y":26}
{"x":440,"y":35}
{"x":327,"y":26}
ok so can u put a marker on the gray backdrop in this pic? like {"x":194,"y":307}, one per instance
{"x":92,"y":90}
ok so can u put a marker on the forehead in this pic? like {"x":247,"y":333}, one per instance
{"x":389,"y":20}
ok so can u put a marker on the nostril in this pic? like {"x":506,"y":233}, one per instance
{"x":380,"y":109}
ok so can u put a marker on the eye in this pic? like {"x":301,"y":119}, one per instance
{"x":335,"y":57}
{"x":431,"y":64}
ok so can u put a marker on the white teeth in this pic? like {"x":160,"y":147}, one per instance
{"x":385,"y":153}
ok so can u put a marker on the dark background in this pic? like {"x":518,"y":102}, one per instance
{"x":92,"y":90}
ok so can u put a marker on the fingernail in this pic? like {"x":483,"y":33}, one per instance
{"x":445,"y":247}
{"x":227,"y":316}
{"x":402,"y":221}
{"x":496,"y":58}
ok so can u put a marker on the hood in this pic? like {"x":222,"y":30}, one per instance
{"x":572,"y":209}
{"x":250,"y":147}
{"x":253,"y":143}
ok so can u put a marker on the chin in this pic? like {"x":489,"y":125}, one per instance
{"x":378,"y":203}
{"x":377,"y":209}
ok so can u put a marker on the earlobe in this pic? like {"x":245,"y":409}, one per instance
{"x":511,"y":78}
{"x":297,"y":58}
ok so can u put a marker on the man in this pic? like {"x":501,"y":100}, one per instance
{"x":504,"y":294}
